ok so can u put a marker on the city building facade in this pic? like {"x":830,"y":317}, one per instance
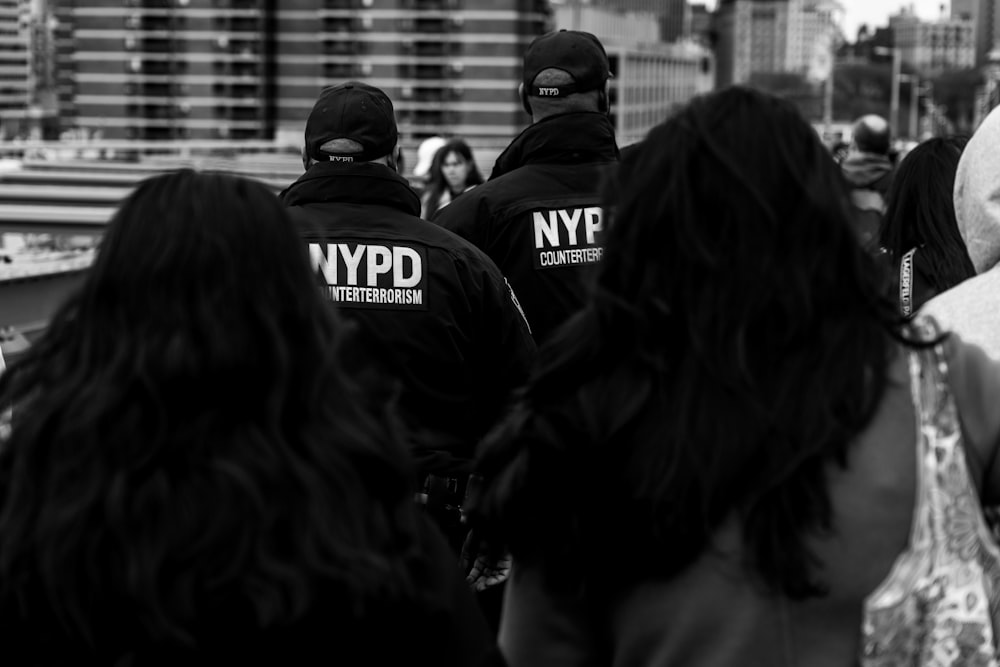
{"x":932,"y":46}
{"x":652,"y":78}
{"x":772,"y":36}
{"x":985,"y":18}
{"x":172,"y":69}
{"x":701,"y":24}
{"x":812,"y":32}
{"x":27,"y":68}
{"x":251,"y":69}
{"x":450,"y":66}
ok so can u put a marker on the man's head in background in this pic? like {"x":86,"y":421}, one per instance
{"x":871,"y":135}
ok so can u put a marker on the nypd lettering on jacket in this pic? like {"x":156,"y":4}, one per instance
{"x":567,"y":236}
{"x":368,"y":275}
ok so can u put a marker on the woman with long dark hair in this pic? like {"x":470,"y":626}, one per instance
{"x":716,"y":461}
{"x":453,"y":171}
{"x":919,"y":230}
{"x":193,"y":478}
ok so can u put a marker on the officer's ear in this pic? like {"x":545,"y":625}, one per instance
{"x":524,"y":99}
{"x":394,"y":158}
{"x":604,"y":98}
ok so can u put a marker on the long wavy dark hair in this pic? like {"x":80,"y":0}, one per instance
{"x":437,"y":183}
{"x":920,"y":213}
{"x":737,"y":340}
{"x":185,"y":440}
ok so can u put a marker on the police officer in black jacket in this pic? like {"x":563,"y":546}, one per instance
{"x":539,"y":215}
{"x":434,"y":311}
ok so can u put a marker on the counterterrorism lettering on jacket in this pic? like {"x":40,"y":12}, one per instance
{"x":567,"y":236}
{"x":367,"y":275}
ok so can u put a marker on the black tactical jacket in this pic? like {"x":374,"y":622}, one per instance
{"x":539,"y":216}
{"x":435,"y":312}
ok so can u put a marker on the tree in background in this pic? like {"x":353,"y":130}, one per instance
{"x":860,"y":89}
{"x":793,"y":87}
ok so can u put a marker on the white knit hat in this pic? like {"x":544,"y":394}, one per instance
{"x":425,"y":155}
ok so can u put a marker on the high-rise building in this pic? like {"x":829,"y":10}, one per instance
{"x":675,"y":23}
{"x":450,"y":66}
{"x":27,"y":68}
{"x":934,"y":45}
{"x":241,"y":69}
{"x":771,"y":36}
{"x":14,"y":65}
{"x":173,"y":69}
{"x":985,"y":17}
{"x":672,"y":18}
{"x":812,"y":24}
{"x":723,"y":27}
{"x":757,"y":36}
{"x":63,"y":64}
{"x":652,"y":77}
{"x":964,"y":9}
{"x":701,"y":24}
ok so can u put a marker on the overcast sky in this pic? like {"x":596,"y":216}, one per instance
{"x":876,"y":12}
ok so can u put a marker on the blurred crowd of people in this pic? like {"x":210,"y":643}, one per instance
{"x":715,"y":399}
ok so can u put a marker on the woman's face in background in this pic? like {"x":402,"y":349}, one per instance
{"x":455,"y":170}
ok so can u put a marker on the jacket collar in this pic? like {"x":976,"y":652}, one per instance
{"x":355,"y":183}
{"x":569,"y":138}
{"x":865,"y":168}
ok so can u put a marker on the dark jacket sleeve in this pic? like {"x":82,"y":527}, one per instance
{"x":507,"y":332}
{"x":463,"y":636}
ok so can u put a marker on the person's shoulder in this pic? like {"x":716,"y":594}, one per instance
{"x":489,"y":190}
{"x":445,"y":242}
{"x":973,"y":298}
{"x":512,"y":183}
{"x":312,"y":216}
{"x":534,"y":182}
{"x":466,"y":213}
{"x":434,"y":235}
{"x":974,"y":379}
{"x":971,"y":309}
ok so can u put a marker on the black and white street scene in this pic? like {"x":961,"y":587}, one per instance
{"x":500,"y":333}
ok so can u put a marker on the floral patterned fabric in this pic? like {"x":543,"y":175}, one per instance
{"x":940,"y":604}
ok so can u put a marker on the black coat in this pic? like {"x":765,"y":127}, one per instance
{"x":539,"y":216}
{"x":439,"y":623}
{"x":434,"y":311}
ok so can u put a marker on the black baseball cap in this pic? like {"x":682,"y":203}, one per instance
{"x":578,"y":53}
{"x":356,"y":111}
